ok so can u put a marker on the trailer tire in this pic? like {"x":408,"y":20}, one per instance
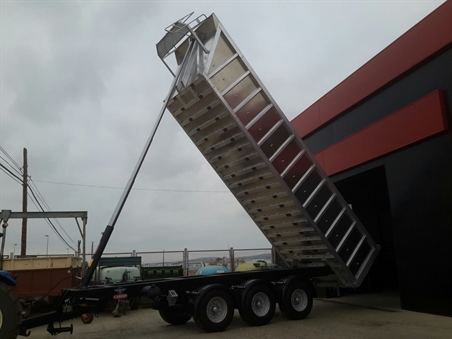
{"x":213,"y":310}
{"x":10,"y":313}
{"x":295,"y":300}
{"x":175,"y":315}
{"x":258,"y":305}
{"x":87,"y":318}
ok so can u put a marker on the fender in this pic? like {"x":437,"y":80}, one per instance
{"x":287,"y":280}
{"x":6,"y":278}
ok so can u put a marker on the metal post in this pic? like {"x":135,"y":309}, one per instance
{"x":23,"y":244}
{"x":84,"y":246}
{"x":231,"y":260}
{"x":185,"y":262}
{"x":14,"y":251}
{"x":47,"y":248}
{"x":5,"y":224}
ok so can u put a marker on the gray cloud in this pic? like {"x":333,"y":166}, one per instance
{"x":82,"y":86}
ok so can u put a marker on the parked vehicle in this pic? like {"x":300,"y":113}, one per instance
{"x":212,"y":269}
{"x":255,"y":266}
{"x":114,"y":270}
{"x":230,"y":116}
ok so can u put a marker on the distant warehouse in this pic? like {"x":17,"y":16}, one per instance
{"x":384,"y":136}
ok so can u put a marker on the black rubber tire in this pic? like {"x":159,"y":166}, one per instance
{"x":10,"y":313}
{"x":87,"y":318}
{"x":258,"y":305}
{"x":174,"y":315}
{"x":295,"y":300}
{"x":135,"y":303}
{"x":214,"y":309}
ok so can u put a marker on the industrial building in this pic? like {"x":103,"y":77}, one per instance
{"x":384,"y":137}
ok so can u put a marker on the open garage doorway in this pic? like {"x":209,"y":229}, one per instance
{"x":367,"y":193}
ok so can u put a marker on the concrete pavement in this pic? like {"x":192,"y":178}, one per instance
{"x":375,"y":316}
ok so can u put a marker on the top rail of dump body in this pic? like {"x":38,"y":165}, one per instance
{"x":232,"y":119}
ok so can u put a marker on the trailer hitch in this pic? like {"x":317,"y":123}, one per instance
{"x":54,"y":331}
{"x":23,"y":332}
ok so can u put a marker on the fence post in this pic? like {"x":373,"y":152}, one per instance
{"x":185,"y":262}
{"x":231,"y":259}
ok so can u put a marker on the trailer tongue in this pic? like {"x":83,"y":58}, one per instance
{"x":229,"y":115}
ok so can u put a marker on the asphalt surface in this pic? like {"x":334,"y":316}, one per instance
{"x":369,"y":316}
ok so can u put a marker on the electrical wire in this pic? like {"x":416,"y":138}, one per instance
{"x":51,"y":224}
{"x":47,"y":206}
{"x":11,"y":166}
{"x":9,"y":157}
{"x":33,"y":196}
{"x":6,"y":170}
{"x":136,"y":189}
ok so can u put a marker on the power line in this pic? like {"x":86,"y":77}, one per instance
{"x":137,"y":189}
{"x":10,"y":175}
{"x":6,"y":170}
{"x":48,"y":220}
{"x":11,"y":166}
{"x":48,"y":207}
{"x":33,"y":197}
{"x":9,"y":157}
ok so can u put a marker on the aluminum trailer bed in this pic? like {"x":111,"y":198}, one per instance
{"x":232,"y":119}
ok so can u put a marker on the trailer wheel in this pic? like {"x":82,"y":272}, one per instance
{"x":214,"y":309}
{"x":296,"y":300}
{"x":258,"y":305}
{"x":10,"y":313}
{"x":87,"y":318}
{"x":175,"y":315}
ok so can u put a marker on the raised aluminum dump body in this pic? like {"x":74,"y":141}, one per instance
{"x":229,"y":115}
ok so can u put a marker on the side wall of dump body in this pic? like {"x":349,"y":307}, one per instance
{"x":232,"y":119}
{"x":46,"y":282}
{"x":43,"y":276}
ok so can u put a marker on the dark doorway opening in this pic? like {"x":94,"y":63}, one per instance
{"x":367,"y":193}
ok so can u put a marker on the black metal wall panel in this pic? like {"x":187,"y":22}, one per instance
{"x":419,"y":185}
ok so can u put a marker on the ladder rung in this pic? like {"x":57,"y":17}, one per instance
{"x":283,"y":225}
{"x":296,"y":240}
{"x":314,"y":193}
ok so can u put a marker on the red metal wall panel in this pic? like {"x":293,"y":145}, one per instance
{"x":421,"y":119}
{"x":426,"y":38}
{"x":38,"y":283}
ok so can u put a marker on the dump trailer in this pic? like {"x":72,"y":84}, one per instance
{"x":227,"y":112}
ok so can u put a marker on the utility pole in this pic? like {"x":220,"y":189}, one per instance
{"x":23,"y":246}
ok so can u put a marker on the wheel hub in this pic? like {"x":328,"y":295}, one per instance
{"x":217,"y":309}
{"x":260,"y":304}
{"x":299,"y":300}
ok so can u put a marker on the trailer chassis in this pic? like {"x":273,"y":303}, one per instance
{"x":201,"y":297}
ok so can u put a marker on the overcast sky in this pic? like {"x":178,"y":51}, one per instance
{"x":81,"y":86}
